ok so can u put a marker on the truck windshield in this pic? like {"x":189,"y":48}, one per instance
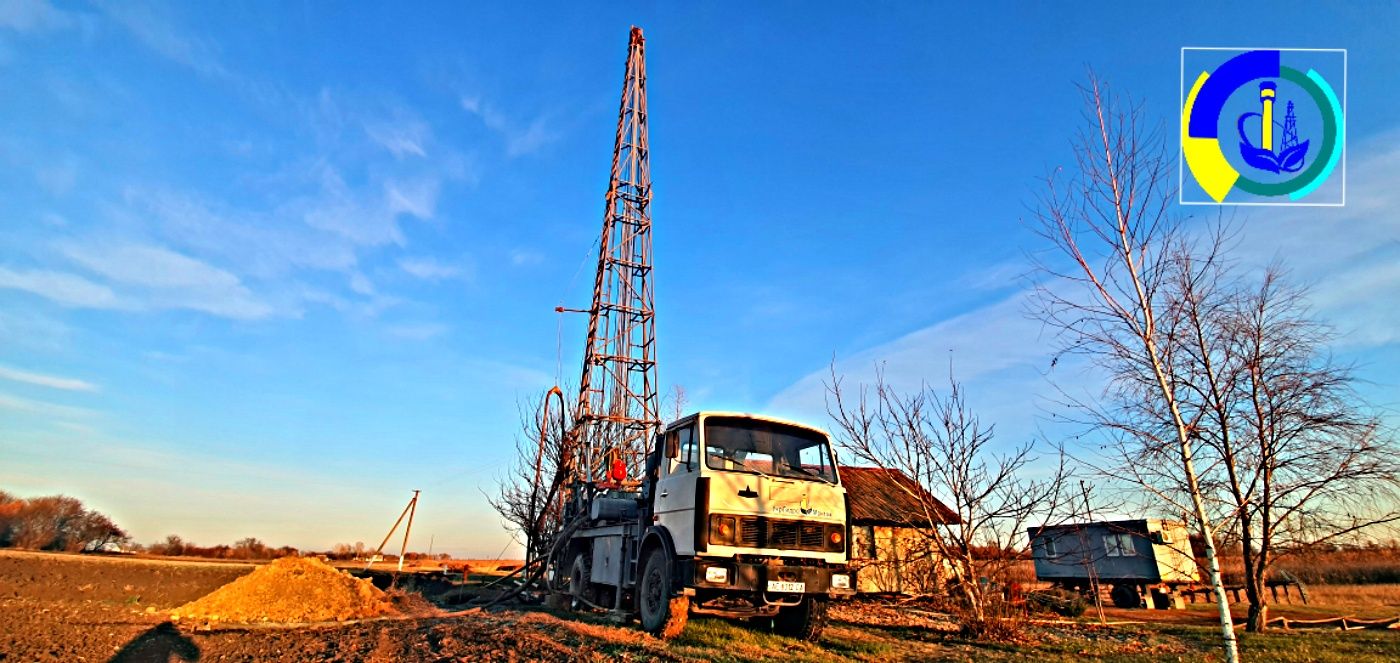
{"x":761,"y":447}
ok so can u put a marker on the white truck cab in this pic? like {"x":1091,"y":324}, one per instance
{"x":739,"y":515}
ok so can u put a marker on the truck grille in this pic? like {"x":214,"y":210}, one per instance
{"x":760,"y":532}
{"x":750,"y":533}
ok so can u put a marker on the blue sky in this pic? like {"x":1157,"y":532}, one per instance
{"x":265,"y":268}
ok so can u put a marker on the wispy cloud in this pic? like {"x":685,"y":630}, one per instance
{"x":34,"y":16}
{"x":42,"y":380}
{"x":995,"y":349}
{"x":240,"y":237}
{"x":520,"y":137}
{"x":1350,"y":255}
{"x":368,"y":220}
{"x":417,"y":331}
{"x":402,"y":137}
{"x":45,"y":408}
{"x":157,"y":32}
{"x":431,"y":269}
{"x":61,"y":287}
{"x":160,"y":278}
{"x":525,"y":257}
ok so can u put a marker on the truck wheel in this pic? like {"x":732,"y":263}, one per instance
{"x":1126,"y":596}
{"x":663,"y":615}
{"x":804,"y":621}
{"x":580,"y":575}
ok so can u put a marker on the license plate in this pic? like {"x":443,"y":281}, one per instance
{"x":787,"y":587}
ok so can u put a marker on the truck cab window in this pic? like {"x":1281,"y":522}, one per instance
{"x":687,"y":460}
{"x":735,"y":444}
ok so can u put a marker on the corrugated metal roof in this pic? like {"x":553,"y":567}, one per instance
{"x":882,"y":496}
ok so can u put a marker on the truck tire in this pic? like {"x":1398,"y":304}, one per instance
{"x":662,"y":614}
{"x":1126,"y":595}
{"x":804,"y":621}
{"x":580,"y":577}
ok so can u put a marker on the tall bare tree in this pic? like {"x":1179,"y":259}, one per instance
{"x":1110,"y":221}
{"x":940,"y":444}
{"x":1296,"y":460}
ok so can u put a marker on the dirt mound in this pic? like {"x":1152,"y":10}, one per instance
{"x":291,"y":590}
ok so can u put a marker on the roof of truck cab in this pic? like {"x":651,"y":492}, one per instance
{"x":745,"y":415}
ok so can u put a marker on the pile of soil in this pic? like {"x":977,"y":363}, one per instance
{"x":290,"y":590}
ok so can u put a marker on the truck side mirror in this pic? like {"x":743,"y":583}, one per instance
{"x":672,"y":445}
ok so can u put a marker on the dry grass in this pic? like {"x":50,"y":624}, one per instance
{"x":1356,"y":596}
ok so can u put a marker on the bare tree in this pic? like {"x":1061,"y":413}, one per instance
{"x":530,"y":496}
{"x":1112,"y":221}
{"x":946,"y":452}
{"x":1295,"y":459}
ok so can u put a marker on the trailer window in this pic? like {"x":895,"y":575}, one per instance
{"x":760,"y":447}
{"x":1118,"y":545}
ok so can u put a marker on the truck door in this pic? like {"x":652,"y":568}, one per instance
{"x":675,"y":490}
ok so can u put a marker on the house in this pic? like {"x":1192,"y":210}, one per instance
{"x":1144,"y":561}
{"x":890,"y":526}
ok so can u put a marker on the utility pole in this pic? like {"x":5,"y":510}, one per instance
{"x":1087,"y":552}
{"x":403,"y":549}
{"x":408,"y":511}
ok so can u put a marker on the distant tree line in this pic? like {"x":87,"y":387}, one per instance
{"x":248,"y":549}
{"x":55,"y":522}
{"x":61,"y":523}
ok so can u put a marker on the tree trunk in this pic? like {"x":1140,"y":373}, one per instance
{"x":1258,"y":617}
{"x":1222,"y":603}
{"x":1253,"y":576}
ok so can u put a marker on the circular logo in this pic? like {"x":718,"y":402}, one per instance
{"x":1267,"y":154}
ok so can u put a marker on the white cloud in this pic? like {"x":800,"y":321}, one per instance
{"x":61,"y":287}
{"x":417,"y":198}
{"x":1350,"y":255}
{"x":18,"y":404}
{"x":42,"y":380}
{"x":33,"y":16}
{"x":402,"y":138}
{"x":150,"y":266}
{"x":264,"y":246}
{"x":365,"y":220}
{"x":418,"y":331}
{"x":519,"y":140}
{"x":59,"y":178}
{"x":156,"y":277}
{"x":361,"y":284}
{"x":525,"y":257}
{"x":996,"y":351}
{"x":430,"y":269}
{"x":158,"y":33}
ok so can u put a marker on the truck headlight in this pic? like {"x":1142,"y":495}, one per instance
{"x":722,"y":530}
{"x":716,"y":574}
{"x":840,"y":581}
{"x":835,"y":538}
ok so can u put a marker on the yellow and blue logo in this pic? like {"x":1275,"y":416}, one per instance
{"x":1263,"y":127}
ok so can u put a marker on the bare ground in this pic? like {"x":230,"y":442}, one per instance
{"x":83,"y":608}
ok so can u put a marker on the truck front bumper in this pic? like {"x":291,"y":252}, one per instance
{"x":756,"y":576}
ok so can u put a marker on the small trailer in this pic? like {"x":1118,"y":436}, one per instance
{"x":1148,"y":563}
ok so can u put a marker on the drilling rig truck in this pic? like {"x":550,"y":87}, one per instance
{"x":737,"y":515}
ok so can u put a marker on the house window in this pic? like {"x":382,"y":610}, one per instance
{"x":863,"y":542}
{"x":1119,"y":545}
{"x":1050,"y":550}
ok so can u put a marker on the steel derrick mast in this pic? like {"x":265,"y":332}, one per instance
{"x":618,"y":407}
